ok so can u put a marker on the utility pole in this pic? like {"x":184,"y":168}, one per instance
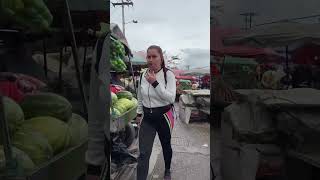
{"x":122,"y":4}
{"x":248,"y":17}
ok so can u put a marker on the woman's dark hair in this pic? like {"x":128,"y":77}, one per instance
{"x":158,"y":48}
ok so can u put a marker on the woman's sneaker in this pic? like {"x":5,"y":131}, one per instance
{"x":167,"y":174}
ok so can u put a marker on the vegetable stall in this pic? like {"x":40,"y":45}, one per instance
{"x":43,"y":132}
{"x":184,"y":83}
{"x":238,"y":72}
{"x":194,"y":103}
{"x":274,"y":129}
{"x":124,"y":104}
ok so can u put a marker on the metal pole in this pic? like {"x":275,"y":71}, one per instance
{"x":287,"y":67}
{"x":287,"y":58}
{"x":60,"y":66}
{"x":250,"y":21}
{"x":246,"y":19}
{"x":45,"y":58}
{"x":76,"y":57}
{"x":84,"y":57}
{"x":222,"y":65}
{"x":133,"y":77}
{"x":11,"y":163}
{"x":123,"y":20}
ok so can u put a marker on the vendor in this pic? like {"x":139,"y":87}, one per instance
{"x":116,"y":79}
{"x":98,"y":153}
{"x":206,"y":82}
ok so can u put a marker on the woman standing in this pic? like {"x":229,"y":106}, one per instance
{"x":155,"y":114}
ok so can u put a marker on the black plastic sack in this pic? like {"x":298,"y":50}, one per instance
{"x":119,"y":152}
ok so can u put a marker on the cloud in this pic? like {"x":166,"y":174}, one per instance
{"x":173,"y":25}
{"x":195,"y":58}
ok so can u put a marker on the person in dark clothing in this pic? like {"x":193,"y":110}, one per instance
{"x":116,"y":79}
{"x":155,"y":114}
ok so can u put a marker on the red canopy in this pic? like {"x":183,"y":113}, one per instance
{"x":192,"y":78}
{"x":308,"y":54}
{"x":214,"y":70}
{"x":219,"y":49}
{"x":177,"y":72}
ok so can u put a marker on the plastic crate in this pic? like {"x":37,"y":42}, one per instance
{"x":119,"y":123}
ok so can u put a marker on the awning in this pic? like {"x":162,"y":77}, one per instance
{"x":177,"y":72}
{"x":277,"y":35}
{"x":117,"y":34}
{"x":196,"y":72}
{"x":240,"y":61}
{"x":192,"y":78}
{"x":219,"y":49}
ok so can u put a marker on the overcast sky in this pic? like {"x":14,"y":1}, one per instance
{"x":179,"y":27}
{"x":270,"y":10}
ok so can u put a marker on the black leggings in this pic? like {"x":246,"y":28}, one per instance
{"x":155,"y":121}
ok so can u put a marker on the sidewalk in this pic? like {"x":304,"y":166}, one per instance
{"x":191,"y":154}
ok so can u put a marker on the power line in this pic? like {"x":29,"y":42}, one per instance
{"x":290,"y":19}
{"x":114,"y":12}
{"x":248,"y":18}
{"x":122,"y":4}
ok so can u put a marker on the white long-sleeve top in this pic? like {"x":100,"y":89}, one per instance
{"x":159,"y":96}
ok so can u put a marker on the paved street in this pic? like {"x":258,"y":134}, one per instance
{"x":191,"y":154}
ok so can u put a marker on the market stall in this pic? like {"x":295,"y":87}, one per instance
{"x":282,"y":34}
{"x":281,"y":125}
{"x":227,"y":63}
{"x":120,"y":64}
{"x":270,"y":133}
{"x":184,"y":83}
{"x":124,"y":103}
{"x":202,"y":75}
{"x":194,"y":104}
{"x":240,"y":73}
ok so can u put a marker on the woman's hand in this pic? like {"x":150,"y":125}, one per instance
{"x":151,"y":77}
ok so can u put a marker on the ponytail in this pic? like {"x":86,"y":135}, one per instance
{"x":164,"y":71}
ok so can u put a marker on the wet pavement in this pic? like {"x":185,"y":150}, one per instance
{"x":191,"y":154}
